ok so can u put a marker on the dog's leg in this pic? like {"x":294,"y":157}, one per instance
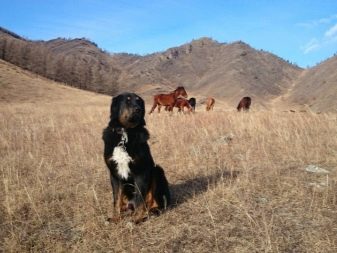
{"x":157,"y":197}
{"x":117,"y":197}
{"x":150,"y":207}
{"x":150,"y":201}
{"x":141,"y":188}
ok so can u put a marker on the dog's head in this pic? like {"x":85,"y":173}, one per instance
{"x":127,"y":110}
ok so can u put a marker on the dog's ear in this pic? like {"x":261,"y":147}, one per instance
{"x":114,"y":111}
{"x":142,"y":105}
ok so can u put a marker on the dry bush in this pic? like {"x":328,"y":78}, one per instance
{"x":237,"y":179}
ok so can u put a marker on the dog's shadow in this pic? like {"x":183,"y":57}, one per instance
{"x":182,"y":192}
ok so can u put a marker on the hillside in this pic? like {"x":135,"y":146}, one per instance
{"x":207,"y":67}
{"x":317,"y":88}
{"x":204,"y":66}
{"x":21,"y":87}
{"x":238,"y":180}
{"x":77,"y":62}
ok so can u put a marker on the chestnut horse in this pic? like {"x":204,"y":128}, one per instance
{"x":244,"y":104}
{"x":210,"y":103}
{"x":168,"y":100}
{"x":181,"y":103}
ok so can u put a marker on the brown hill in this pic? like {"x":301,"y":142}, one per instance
{"x":22,"y":87}
{"x":77,"y":62}
{"x":204,"y":66}
{"x":317,"y":87}
{"x":207,"y":67}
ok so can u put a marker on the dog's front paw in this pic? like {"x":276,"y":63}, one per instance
{"x":114,"y":219}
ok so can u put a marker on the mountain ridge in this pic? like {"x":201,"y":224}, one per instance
{"x":204,"y":66}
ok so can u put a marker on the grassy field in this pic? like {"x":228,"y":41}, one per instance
{"x":238,"y":181}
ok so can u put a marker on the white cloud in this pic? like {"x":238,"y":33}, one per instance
{"x":331,"y":32}
{"x":330,"y":37}
{"x":312,"y":45}
{"x":321,"y":21}
{"x":327,"y":38}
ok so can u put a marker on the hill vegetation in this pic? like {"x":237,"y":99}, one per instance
{"x":76,"y":62}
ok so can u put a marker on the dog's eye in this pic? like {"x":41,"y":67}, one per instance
{"x":129,"y":98}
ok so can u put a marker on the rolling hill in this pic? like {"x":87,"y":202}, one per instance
{"x":226,"y":71}
{"x":317,"y":87}
{"x":76,"y":62}
{"x":207,"y":67}
{"x":22,"y":87}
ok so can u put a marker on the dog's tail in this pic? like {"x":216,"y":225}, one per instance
{"x":162,"y":193}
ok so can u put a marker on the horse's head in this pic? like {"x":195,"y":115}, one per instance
{"x":180,"y":91}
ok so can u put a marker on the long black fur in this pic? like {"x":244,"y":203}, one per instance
{"x":143,"y":169}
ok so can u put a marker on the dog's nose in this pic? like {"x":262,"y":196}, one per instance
{"x":138,"y":110}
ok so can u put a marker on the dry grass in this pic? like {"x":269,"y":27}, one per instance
{"x":238,"y":181}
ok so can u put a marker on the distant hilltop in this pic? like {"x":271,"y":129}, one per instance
{"x":205,"y":67}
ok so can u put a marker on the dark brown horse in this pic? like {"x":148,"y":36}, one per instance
{"x":210,"y":103}
{"x":168,"y":100}
{"x":244,"y":104}
{"x":192,"y":102}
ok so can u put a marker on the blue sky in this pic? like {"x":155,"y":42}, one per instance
{"x":303,"y":32}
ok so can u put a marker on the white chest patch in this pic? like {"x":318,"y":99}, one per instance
{"x":122,"y":159}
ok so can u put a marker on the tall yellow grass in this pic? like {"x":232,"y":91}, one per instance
{"x":238,"y":182}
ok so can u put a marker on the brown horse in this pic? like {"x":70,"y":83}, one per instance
{"x":168,"y":100}
{"x":181,"y":103}
{"x":244,"y":104}
{"x":210,"y":103}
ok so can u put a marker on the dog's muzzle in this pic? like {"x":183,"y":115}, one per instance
{"x":136,"y":115}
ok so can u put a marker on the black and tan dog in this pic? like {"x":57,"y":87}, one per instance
{"x":139,"y":185}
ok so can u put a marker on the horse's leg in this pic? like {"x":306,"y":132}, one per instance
{"x":153,"y":107}
{"x":189,"y":109}
{"x":159,"y":107}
